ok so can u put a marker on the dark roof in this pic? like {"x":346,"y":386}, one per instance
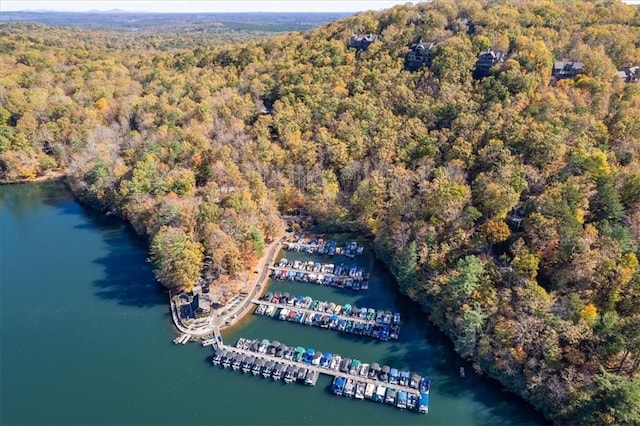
{"x":630,"y":74}
{"x":492,"y":56}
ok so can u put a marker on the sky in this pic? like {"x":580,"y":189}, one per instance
{"x":213,"y":6}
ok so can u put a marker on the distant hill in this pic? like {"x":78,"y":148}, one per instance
{"x":118,"y":20}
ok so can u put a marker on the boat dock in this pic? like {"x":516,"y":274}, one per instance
{"x":272,"y":359}
{"x":341,"y":276}
{"x":379,"y":324}
{"x":182,"y":339}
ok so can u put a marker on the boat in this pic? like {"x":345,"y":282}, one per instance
{"x":384,"y":373}
{"x":301,"y":374}
{"x":316,"y":358}
{"x":396,"y":318}
{"x":311,"y":378}
{"x":412,"y":401}
{"x":308,"y":356}
{"x":262,"y":347}
{"x":338,"y":385}
{"x":349,"y":387}
{"x":277,"y":371}
{"x":425,"y":385}
{"x":227,"y":358}
{"x":326,"y":360}
{"x":369,"y":390}
{"x":393,"y":376}
{"x":257,"y":366}
{"x":401,"y":400}
{"x":415,"y":381}
{"x":404,"y":378}
{"x":345,"y":365}
{"x":335,"y":362}
{"x":298,"y":354}
{"x":391,"y":396}
{"x":423,"y":405}
{"x":374,"y":370}
{"x":268,"y":369}
{"x":380,"y":392}
{"x":247,"y":363}
{"x":237,"y":360}
{"x":354,"y":367}
{"x":217,"y":358}
{"x":360,"y":388}
{"x":290,"y":374}
{"x":364,"y":370}
{"x":462,"y":372}
{"x":240,"y":342}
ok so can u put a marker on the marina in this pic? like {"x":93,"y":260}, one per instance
{"x":351,"y":377}
{"x":378,"y":324}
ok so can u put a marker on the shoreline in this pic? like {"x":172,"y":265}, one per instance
{"x":216,"y":321}
{"x":54,"y":175}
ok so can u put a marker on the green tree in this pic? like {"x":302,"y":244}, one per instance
{"x":177,"y":258}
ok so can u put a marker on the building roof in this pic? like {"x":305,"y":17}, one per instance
{"x":364,"y":37}
{"x":422,"y":46}
{"x":629,"y":73}
{"x":568,"y":65}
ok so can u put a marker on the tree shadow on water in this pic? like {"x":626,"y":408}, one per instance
{"x":128,"y":277}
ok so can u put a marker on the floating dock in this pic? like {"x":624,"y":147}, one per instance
{"x":379,"y":324}
{"x":359,"y":380}
{"x":342,"y":276}
{"x":315,"y":245}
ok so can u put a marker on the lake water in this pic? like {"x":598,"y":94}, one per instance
{"x":86,"y":339}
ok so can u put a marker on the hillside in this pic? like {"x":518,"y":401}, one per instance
{"x":508,"y":205}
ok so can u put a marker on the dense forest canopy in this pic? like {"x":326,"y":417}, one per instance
{"x":508,"y":206}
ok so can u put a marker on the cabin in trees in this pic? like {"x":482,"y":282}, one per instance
{"x":420,"y":55}
{"x":567,"y":69}
{"x":362,"y":41}
{"x":486,"y":61}
{"x":629,"y":74}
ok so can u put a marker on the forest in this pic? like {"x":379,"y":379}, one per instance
{"x":507,"y":206}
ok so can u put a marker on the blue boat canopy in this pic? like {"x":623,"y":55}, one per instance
{"x":347,"y":306}
{"x":334,"y":317}
{"x":394,"y":372}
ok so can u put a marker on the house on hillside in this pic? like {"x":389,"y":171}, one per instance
{"x":362,"y":41}
{"x":567,"y":69}
{"x":487,"y":60}
{"x":420,"y":55}
{"x":629,"y":74}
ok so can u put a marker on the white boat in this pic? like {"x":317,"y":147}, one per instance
{"x":369,"y":390}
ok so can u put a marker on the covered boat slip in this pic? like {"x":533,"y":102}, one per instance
{"x":278,"y":362}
